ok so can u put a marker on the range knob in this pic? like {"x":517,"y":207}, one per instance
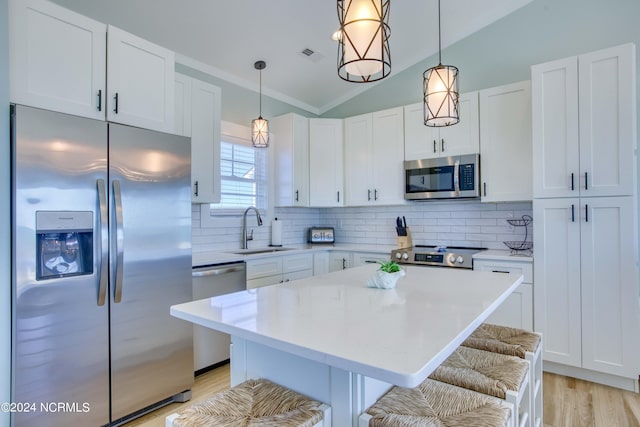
{"x":398,"y":255}
{"x":452,"y":259}
{"x":460,"y":260}
{"x":405,"y":256}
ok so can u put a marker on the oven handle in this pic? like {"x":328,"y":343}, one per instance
{"x":456,"y":177}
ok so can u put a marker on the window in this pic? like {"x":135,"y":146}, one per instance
{"x":243,"y":180}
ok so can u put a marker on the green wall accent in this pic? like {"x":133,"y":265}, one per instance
{"x":5,"y":217}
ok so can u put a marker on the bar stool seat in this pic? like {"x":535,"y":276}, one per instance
{"x":515,"y":342}
{"x":434,"y":403}
{"x":256,"y":402}
{"x":498,"y":375}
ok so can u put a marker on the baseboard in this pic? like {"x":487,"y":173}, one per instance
{"x":630,"y":384}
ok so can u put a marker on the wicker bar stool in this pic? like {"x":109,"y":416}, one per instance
{"x":498,"y":375}
{"x":434,"y":403}
{"x":257,"y":403}
{"x":514,"y":342}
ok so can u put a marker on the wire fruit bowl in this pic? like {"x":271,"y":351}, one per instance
{"x":520,"y":246}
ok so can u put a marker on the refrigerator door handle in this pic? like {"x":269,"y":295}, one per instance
{"x":119,"y":247}
{"x":103,"y":255}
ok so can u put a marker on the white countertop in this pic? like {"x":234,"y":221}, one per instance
{"x":398,"y":336}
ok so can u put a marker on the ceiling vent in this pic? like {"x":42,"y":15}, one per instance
{"x":311,"y":54}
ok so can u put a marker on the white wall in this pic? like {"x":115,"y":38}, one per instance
{"x":453,"y":223}
{"x":5,"y":215}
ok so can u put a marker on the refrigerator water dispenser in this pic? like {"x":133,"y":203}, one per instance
{"x":64,"y":244}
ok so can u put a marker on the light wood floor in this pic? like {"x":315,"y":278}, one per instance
{"x":568,"y":402}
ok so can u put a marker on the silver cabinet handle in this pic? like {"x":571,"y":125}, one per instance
{"x":99,"y":99}
{"x":484,"y":185}
{"x":297,"y":195}
{"x":214,"y":271}
{"x":103,"y":246}
{"x":338,"y":196}
{"x":119,"y":241}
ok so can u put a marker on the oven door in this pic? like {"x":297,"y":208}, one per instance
{"x":442,"y":178}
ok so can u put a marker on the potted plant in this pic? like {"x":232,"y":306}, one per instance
{"x":386,"y":276}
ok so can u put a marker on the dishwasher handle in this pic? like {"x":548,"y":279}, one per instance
{"x":216,"y":270}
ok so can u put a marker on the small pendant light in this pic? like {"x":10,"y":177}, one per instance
{"x":260,"y":126}
{"x":363,"y":49}
{"x":440,"y":89}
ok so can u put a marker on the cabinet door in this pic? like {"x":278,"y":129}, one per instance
{"x":57,"y":59}
{"x":607,"y":105}
{"x":339,"y":260}
{"x":205,"y":142}
{"x":420,"y":141}
{"x":358,"y":136}
{"x":610,"y":312}
{"x":556,"y":168}
{"x":463,"y":137}
{"x":320,"y":263}
{"x":505,"y":143}
{"x":325,"y":163}
{"x":557,"y":313}
{"x":140,"y":82}
{"x":291,"y":149}
{"x":182,"y":110}
{"x":387,"y":169}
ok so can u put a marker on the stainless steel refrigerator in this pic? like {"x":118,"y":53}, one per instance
{"x":101,"y":247}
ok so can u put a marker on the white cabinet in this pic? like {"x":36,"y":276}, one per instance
{"x":584,"y":131}
{"x":280,"y":269}
{"x":586,"y":293}
{"x":140,"y":82}
{"x":424,"y":142}
{"x":362,"y":258}
{"x":320,"y":263}
{"x":326,"y":176}
{"x":517,"y":310}
{"x":291,"y":149}
{"x":58,"y":61}
{"x":200,"y":104}
{"x":339,"y":260}
{"x":505,"y":143}
{"x":373,"y":157}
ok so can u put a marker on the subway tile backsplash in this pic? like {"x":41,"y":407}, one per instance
{"x":452,"y":223}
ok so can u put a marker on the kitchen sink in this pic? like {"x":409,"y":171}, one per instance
{"x":258,"y":251}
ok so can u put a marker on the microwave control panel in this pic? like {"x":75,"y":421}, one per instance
{"x":467,"y":177}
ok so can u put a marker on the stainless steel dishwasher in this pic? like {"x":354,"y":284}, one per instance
{"x":211,"y":347}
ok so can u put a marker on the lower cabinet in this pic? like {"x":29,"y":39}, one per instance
{"x":280,"y":269}
{"x":339,"y":260}
{"x":517,"y":310}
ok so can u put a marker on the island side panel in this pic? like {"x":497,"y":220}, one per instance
{"x":347,"y":393}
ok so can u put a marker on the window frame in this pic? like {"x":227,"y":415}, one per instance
{"x":212,"y":217}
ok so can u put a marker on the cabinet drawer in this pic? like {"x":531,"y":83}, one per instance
{"x":264,"y":281}
{"x":296,"y":275}
{"x":362,"y":258}
{"x":297,"y":263}
{"x":264,"y":267}
{"x":516,"y":267}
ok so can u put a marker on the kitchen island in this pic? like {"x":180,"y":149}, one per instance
{"x":337,"y":341}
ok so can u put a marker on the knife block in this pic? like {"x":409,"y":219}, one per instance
{"x":405,"y":241}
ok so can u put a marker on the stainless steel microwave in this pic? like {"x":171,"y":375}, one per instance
{"x":454,"y":177}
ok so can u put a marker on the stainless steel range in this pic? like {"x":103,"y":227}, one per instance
{"x":442,"y":256}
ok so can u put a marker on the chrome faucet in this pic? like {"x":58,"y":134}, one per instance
{"x":245,"y":237}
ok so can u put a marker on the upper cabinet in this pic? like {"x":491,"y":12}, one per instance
{"x":505,"y":143}
{"x":326,"y":177}
{"x":291,"y":150}
{"x":198,"y":106}
{"x":373,"y":158}
{"x":424,"y":142}
{"x":584,"y":131}
{"x":58,"y":61}
{"x":140,"y":82}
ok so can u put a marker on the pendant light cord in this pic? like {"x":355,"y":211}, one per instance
{"x":439,"y":37}
{"x":261,"y":91}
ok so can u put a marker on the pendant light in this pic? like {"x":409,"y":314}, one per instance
{"x":440,"y":89}
{"x":260,"y":126}
{"x":363,"y":49}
